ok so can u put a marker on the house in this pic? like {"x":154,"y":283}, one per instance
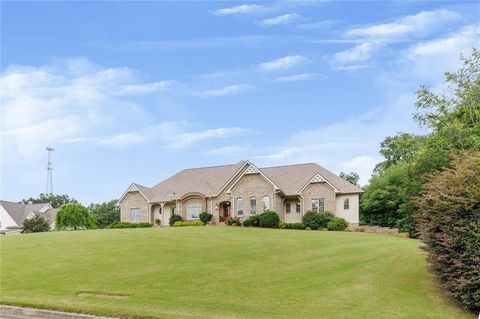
{"x":240,"y":190}
{"x":12,"y":215}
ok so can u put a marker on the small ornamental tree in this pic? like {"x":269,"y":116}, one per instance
{"x":449,"y":222}
{"x":36,"y":224}
{"x":174,"y":218}
{"x":73,"y":216}
{"x":205,"y":217}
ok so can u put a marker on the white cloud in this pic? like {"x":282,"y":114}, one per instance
{"x":227,"y":150}
{"x":227,"y":90}
{"x":240,"y":9}
{"x":360,"y":52}
{"x":283,"y":19}
{"x":286,"y":62}
{"x":323,"y":24}
{"x":297,"y":77}
{"x":418,"y":24}
{"x":281,"y":154}
{"x":168,"y":134}
{"x":362,"y":165}
{"x":188,"y":139}
{"x":355,"y":67}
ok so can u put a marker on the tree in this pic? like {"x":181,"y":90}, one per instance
{"x":56,"y":201}
{"x":73,"y":216}
{"x":351,"y":177}
{"x":453,"y":118}
{"x":35,"y":225}
{"x":105,"y":213}
{"x":449,"y":221}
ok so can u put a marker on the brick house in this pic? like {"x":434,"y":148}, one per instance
{"x":242,"y":189}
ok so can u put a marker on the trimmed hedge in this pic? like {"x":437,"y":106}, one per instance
{"x":234,"y":222}
{"x":337,"y":224}
{"x":251,"y":221}
{"x":117,"y":225}
{"x":205,"y":217}
{"x":268,"y":219}
{"x":174,"y":218}
{"x":315,"y":220}
{"x":188,"y":223}
{"x":295,"y":226}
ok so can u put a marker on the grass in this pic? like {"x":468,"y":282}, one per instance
{"x":222,"y":272}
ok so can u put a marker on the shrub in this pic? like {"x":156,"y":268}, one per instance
{"x":117,"y":225}
{"x":174,"y":218}
{"x":315,"y":220}
{"x":234,"y":222}
{"x":252,"y":220}
{"x":188,"y":223}
{"x":158,"y":222}
{"x":281,"y":224}
{"x":294,"y":226}
{"x":268,"y":219}
{"x":337,"y":224}
{"x":205,"y":217}
{"x":449,"y":222}
{"x":73,"y":216}
{"x":36,"y":224}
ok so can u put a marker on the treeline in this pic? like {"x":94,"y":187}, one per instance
{"x":453,"y":120}
{"x":100,"y":215}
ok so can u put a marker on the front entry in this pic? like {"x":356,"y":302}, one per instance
{"x":224,"y":211}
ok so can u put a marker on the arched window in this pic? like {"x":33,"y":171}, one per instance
{"x":240,"y":206}
{"x":193,"y":210}
{"x":266,"y":203}
{"x":253,"y":205}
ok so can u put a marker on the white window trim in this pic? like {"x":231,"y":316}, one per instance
{"x":253,"y":212}
{"x":237,"y":210}
{"x":269,"y":203}
{"x":347,"y":202}
{"x":318,"y":200}
{"x":197,"y":206}
{"x":137,"y":215}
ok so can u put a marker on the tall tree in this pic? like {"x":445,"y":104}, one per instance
{"x":105,"y":213}
{"x":55,"y":200}
{"x":351,"y":177}
{"x":73,"y":216}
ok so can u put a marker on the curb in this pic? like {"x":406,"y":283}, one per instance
{"x":22,"y":312}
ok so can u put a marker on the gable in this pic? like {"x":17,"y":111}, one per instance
{"x":252,"y":184}
{"x":251,"y":170}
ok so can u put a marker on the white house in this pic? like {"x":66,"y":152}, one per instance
{"x":12,"y":215}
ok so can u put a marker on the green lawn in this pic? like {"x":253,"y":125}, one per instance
{"x":222,"y":272}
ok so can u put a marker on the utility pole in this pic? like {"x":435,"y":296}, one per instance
{"x":49,"y":171}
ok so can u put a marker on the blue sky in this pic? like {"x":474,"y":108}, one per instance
{"x":136,"y":91}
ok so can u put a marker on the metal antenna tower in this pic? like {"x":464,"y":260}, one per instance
{"x":49,"y":170}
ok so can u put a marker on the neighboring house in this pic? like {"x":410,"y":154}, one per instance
{"x":240,"y":190}
{"x":12,"y":215}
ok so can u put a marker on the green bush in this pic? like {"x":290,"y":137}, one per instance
{"x":158,"y":222}
{"x":36,"y":224}
{"x":315,"y":220}
{"x":73,"y":216}
{"x":188,"y":223}
{"x":294,"y":226}
{"x":337,"y":224}
{"x":117,"y":225}
{"x":252,"y":220}
{"x":234,"y":222}
{"x":205,"y":217}
{"x":268,"y":219}
{"x":174,"y":218}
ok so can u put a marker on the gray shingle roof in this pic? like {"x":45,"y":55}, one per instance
{"x":19,"y":212}
{"x":210,"y":180}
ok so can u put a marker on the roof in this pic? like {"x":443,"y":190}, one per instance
{"x":210,"y":180}
{"x":205,"y":180}
{"x":19,"y":211}
{"x":292,"y":178}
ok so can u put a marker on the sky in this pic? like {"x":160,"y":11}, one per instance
{"x":131,"y":91}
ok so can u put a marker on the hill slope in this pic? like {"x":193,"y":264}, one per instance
{"x":222,"y":272}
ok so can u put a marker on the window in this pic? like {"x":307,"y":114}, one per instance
{"x":266,"y":203}
{"x":346,"y":203}
{"x":240,"y":206}
{"x":253,"y":205}
{"x":173,"y":210}
{"x":134,"y":215}
{"x":297,"y":208}
{"x":193,"y":210}
{"x":318,"y":205}
{"x":287,"y":207}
